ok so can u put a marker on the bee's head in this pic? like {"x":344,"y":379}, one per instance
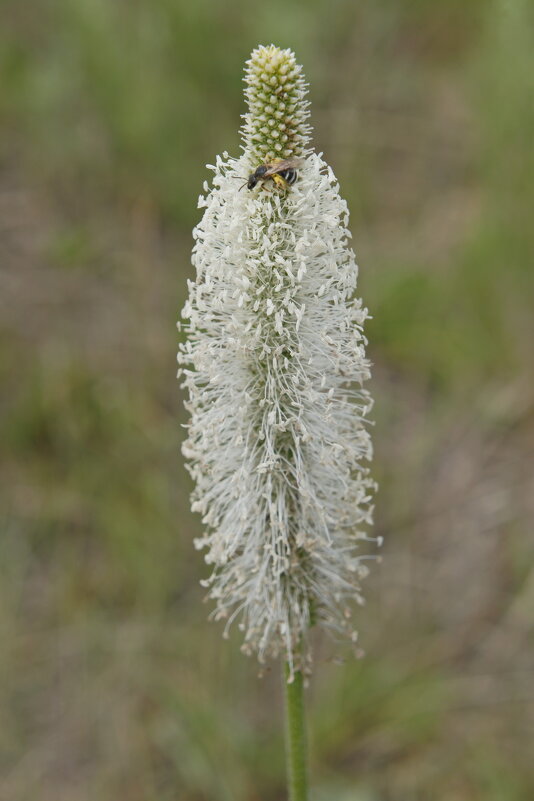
{"x":256,"y":176}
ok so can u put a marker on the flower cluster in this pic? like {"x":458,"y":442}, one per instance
{"x":276,"y":123}
{"x":274,"y":362}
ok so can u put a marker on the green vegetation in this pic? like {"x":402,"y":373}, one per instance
{"x":113,"y":685}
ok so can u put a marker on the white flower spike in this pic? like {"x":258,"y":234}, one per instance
{"x":274,"y":363}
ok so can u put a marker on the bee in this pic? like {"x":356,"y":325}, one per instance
{"x":283,"y":172}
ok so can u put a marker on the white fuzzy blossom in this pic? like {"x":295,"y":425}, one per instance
{"x":274,"y":363}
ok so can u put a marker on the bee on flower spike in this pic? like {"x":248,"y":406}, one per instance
{"x":283,"y":172}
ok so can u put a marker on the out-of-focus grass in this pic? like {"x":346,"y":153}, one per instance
{"x":112,"y":683}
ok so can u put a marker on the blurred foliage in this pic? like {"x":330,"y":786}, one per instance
{"x":112,"y":683}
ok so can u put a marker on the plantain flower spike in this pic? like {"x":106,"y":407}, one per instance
{"x":273,"y":363}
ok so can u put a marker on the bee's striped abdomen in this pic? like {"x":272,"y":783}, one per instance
{"x":289,"y":176}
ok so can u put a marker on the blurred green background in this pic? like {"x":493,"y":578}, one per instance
{"x":113,"y":685}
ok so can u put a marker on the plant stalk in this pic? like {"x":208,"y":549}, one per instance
{"x":296,"y":755}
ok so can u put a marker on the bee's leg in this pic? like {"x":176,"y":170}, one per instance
{"x":279,"y":181}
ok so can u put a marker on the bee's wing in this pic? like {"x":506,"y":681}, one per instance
{"x":283,"y":164}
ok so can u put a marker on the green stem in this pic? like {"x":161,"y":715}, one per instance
{"x":295,"y":736}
